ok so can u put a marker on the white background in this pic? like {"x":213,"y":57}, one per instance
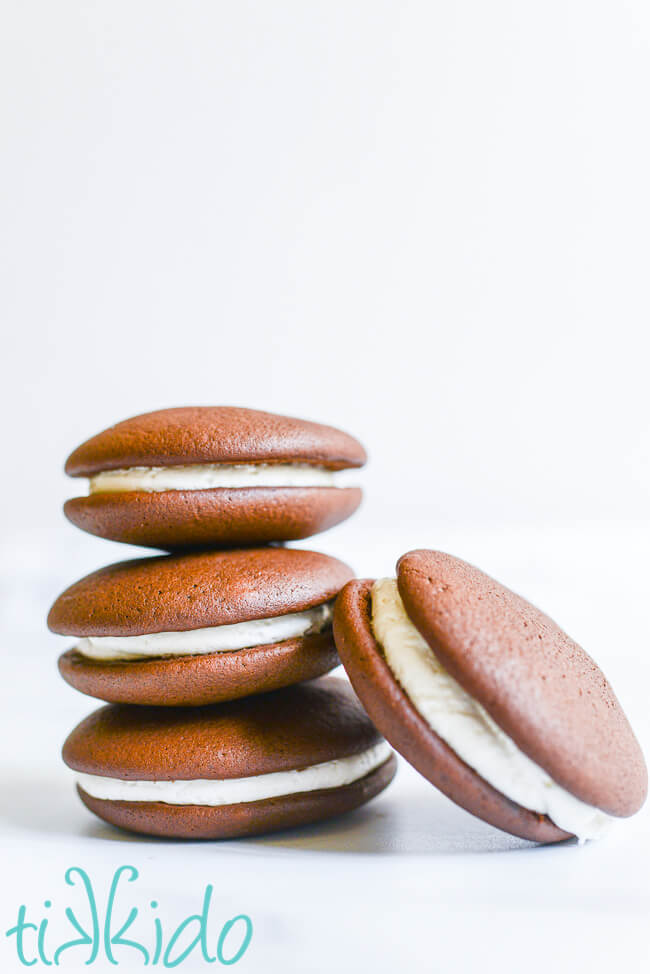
{"x":424,"y":222}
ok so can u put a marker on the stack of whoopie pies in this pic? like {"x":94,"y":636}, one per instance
{"x":220,"y":721}
{"x":211,"y":730}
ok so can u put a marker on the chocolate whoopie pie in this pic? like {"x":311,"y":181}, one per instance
{"x":200,"y":627}
{"x":489,"y":699}
{"x":271,"y":762}
{"x":213,"y":476}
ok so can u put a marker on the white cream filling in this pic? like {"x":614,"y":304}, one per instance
{"x":203,"y":476}
{"x":466,"y":727}
{"x":214,"y":639}
{"x":231,"y":791}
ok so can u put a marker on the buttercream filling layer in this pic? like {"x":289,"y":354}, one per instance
{"x":203,"y":476}
{"x":466,"y":726}
{"x":213,"y":639}
{"x":233,"y":791}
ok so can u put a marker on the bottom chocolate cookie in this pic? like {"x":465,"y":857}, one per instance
{"x":240,"y":768}
{"x":192,"y":681}
{"x":245,"y":818}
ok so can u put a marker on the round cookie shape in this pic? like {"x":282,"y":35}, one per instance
{"x":213,"y":476}
{"x":283,"y":731}
{"x":536,"y":683}
{"x":300,"y":729}
{"x":243,"y":819}
{"x":173,"y":593}
{"x":217,"y":517}
{"x":213,"y":434}
{"x":193,"y":681}
{"x":408,"y":732}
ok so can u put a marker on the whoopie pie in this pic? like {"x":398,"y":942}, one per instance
{"x":269,"y":762}
{"x":200,"y":627}
{"x":213,"y":476}
{"x":489,"y":699}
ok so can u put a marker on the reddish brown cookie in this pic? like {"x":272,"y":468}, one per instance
{"x":538,"y":686}
{"x":275,"y":761}
{"x":200,"y":627}
{"x":213,"y":476}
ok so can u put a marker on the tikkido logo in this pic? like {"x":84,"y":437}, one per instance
{"x":99,"y":936}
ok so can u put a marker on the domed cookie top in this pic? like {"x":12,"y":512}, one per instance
{"x":170,"y":593}
{"x":213,"y":434}
{"x":240,"y":768}
{"x":213,"y":476}
{"x":200,"y":627}
{"x":489,"y":699}
{"x":291,"y":729}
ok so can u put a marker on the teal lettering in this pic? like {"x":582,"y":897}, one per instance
{"x":19,"y":930}
{"x":85,"y":939}
{"x":227,"y":927}
{"x":191,"y":936}
{"x":41,"y":938}
{"x":159,"y":935}
{"x":201,"y":937}
{"x":117,"y":940}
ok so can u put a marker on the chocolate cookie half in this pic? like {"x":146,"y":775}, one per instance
{"x":257,"y":765}
{"x":200,"y":627}
{"x":489,"y":699}
{"x":213,"y":476}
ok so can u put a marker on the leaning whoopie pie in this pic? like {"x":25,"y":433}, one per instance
{"x":213,"y":476}
{"x":489,"y":699}
{"x":200,"y":627}
{"x":256,"y":765}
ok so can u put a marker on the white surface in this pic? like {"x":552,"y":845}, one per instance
{"x":383,"y":887}
{"x":425,"y":222}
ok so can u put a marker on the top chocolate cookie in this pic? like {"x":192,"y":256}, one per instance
{"x":213,"y":434}
{"x":213,"y":476}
